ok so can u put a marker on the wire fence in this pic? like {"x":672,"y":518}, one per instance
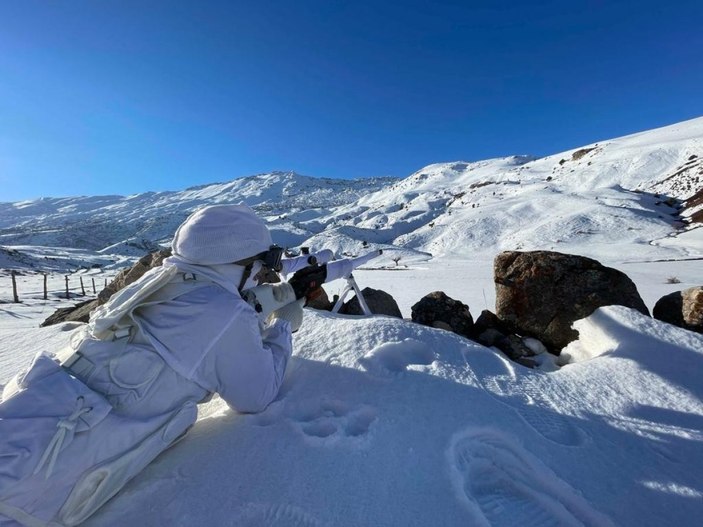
{"x":52,"y":286}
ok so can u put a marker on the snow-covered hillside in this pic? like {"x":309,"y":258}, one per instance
{"x":594,"y":200}
{"x":134,"y":225}
{"x":622,"y":191}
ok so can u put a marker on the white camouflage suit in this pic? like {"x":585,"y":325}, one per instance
{"x":75,"y":427}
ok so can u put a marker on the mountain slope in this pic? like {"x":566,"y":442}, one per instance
{"x":119,"y":224}
{"x":593,"y":199}
{"x":641,"y":191}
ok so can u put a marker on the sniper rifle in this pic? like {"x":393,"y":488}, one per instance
{"x":306,"y":283}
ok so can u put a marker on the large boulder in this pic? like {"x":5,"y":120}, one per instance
{"x":682,"y":308}
{"x":81,"y":312}
{"x":379,"y":302}
{"x":542,"y":293}
{"x":437,"y":310}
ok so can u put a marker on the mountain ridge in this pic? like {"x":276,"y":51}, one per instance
{"x":637,"y":189}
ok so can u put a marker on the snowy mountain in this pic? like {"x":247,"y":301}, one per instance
{"x":626,"y":190}
{"x":384,"y":422}
{"x":641,"y":190}
{"x":136,"y":224}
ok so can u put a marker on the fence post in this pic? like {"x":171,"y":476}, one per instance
{"x":14,"y":288}
{"x":67,"y":295}
{"x":45,"y":288}
{"x":82,"y":288}
{"x":93,"y":280}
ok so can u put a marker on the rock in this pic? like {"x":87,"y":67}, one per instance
{"x":320,"y":300}
{"x":682,"y":308}
{"x":527,"y":362}
{"x":438,"y":310}
{"x":514,"y":348}
{"x":78,"y":313}
{"x":488,"y":320}
{"x":81,"y":312}
{"x":490,"y":337}
{"x":379,"y":302}
{"x":541,"y":294}
{"x":134,"y":273}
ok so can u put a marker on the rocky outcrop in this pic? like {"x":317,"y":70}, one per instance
{"x":682,"y":308}
{"x":134,"y":273}
{"x":78,"y":313}
{"x":81,"y":312}
{"x":437,"y":310}
{"x":379,"y":302}
{"x":541,"y":294}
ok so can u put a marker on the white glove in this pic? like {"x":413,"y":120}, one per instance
{"x":266,"y":298}
{"x":292,"y":312}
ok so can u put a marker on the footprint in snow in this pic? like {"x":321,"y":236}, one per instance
{"x":394,"y":358}
{"x":506,"y":485}
{"x":526,"y":397}
{"x":332,"y":419}
{"x":529,"y":401}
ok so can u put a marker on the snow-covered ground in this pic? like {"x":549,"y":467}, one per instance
{"x":384,"y":422}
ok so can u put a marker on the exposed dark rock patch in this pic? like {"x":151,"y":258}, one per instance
{"x":682,"y":308}
{"x":379,"y":302}
{"x":440,"y":311}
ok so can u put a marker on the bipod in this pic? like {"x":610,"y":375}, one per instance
{"x":351,"y":284}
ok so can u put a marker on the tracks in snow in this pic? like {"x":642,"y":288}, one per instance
{"x":505,"y":485}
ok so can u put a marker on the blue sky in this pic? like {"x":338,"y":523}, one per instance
{"x":119,"y":97}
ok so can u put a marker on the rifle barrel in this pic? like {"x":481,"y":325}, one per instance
{"x":343,"y":268}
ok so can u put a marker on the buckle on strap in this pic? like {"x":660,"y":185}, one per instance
{"x":78,"y":366}
{"x":121,"y":333}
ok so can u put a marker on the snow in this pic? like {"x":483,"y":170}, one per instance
{"x":385,"y":422}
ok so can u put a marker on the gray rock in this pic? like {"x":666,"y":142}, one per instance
{"x":379,"y":302}
{"x":514,"y":348}
{"x":438,"y":310}
{"x":542,"y":293}
{"x":682,"y":308}
{"x":488,"y":320}
{"x":490,"y":337}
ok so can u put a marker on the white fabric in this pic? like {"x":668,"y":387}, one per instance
{"x":221,"y":234}
{"x":266,"y":298}
{"x":292,"y":312}
{"x":64,"y":428}
{"x":190,"y":338}
{"x":105,"y":319}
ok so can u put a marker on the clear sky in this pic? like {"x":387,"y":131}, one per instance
{"x":121,"y":96}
